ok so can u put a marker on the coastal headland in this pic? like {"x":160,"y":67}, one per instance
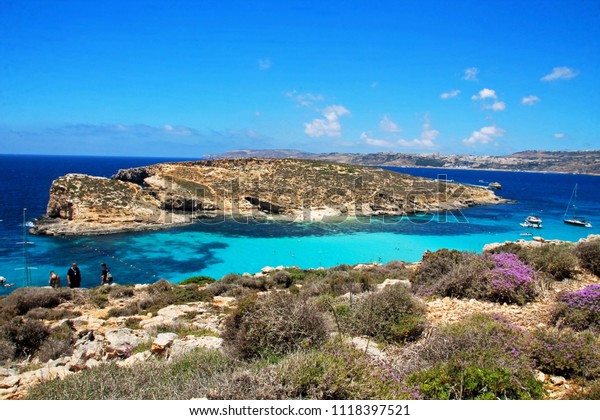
{"x":289,"y":190}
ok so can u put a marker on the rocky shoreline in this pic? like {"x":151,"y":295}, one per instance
{"x":173,"y":194}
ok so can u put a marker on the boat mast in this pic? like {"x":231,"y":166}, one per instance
{"x":573,"y":197}
{"x":26,"y":267}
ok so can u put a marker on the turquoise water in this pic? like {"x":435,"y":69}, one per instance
{"x":216,"y":249}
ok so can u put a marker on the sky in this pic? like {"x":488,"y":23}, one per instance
{"x":186,"y":78}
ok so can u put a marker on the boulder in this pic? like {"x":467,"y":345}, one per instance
{"x":162,"y":342}
{"x":135,"y":359}
{"x":190,"y":343}
{"x":121,"y":341}
{"x":89,"y":346}
{"x":174,"y":311}
{"x":267,"y":270}
{"x":557,"y":380}
{"x":10,"y":381}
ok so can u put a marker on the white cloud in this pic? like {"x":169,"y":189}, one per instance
{"x":452,"y":94}
{"x":424,"y":141}
{"x":471,"y":74}
{"x":530,"y":100}
{"x":304,"y":99}
{"x":559,"y":135}
{"x":485,"y":93}
{"x":386,"y":124}
{"x":484,"y":136}
{"x":559,"y":73}
{"x":375,"y":142}
{"x":328,"y":126}
{"x":264,"y":63}
{"x":496,"y":106}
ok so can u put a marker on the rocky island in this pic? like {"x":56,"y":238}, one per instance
{"x":168,"y":194}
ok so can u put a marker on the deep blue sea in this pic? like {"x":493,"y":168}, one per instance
{"x":216,"y":249}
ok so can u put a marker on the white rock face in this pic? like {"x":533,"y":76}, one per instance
{"x":162,"y":342}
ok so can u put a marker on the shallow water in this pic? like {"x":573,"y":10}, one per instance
{"x":216,"y":249}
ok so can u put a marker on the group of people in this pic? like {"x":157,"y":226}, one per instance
{"x":74,"y":277}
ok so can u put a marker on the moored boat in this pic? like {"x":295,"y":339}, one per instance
{"x":495,"y":186}
{"x":532,"y":221}
{"x":575,"y":220}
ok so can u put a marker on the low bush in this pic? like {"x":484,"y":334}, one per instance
{"x":127,"y":310}
{"x":336,"y":372}
{"x":273,"y":325}
{"x":24,"y":299}
{"x":120,"y":292}
{"x":467,"y":279}
{"x":182,"y":379}
{"x":390,"y":315}
{"x":481,"y":357}
{"x":283,"y":278}
{"x":163,"y":293}
{"x":433,"y":267}
{"x":342,"y":282}
{"x":27,"y":335}
{"x":579,"y":310}
{"x":566,"y":353}
{"x":588,"y":254}
{"x":58,"y":344}
{"x":7,"y":349}
{"x":556,"y":260}
{"x":198,"y":280}
{"x":467,"y":380}
{"x":53,"y":314}
{"x":512,"y":281}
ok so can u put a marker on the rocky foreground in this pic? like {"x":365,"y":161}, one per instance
{"x":169,"y":194}
{"x":133,"y":325}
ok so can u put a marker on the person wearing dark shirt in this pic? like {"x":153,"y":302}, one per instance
{"x":106,"y":276}
{"x":74,"y":276}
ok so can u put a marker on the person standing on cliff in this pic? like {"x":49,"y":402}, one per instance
{"x":54,"y":280}
{"x":74,"y":276}
{"x":106,"y":276}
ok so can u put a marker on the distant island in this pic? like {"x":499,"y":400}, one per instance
{"x":577,"y":162}
{"x":169,"y":194}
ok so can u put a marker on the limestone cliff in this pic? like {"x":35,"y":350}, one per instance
{"x":299,"y":190}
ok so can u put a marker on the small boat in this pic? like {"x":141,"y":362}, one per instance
{"x":575,"y":220}
{"x":495,"y":186}
{"x":532,"y":221}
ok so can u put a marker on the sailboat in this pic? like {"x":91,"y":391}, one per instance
{"x":575,"y":220}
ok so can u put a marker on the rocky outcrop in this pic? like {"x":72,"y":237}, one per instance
{"x":168,"y":194}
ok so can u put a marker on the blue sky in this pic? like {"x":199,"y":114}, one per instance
{"x":185,"y":78}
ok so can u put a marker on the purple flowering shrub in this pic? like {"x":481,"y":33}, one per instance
{"x":481,"y":357}
{"x":579,"y":310}
{"x":512,"y":281}
{"x":566,"y":352}
{"x":500,"y":277}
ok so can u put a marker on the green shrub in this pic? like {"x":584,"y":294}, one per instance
{"x":433,"y":267}
{"x":342,"y":282}
{"x":26,"y":334}
{"x":283,"y":278}
{"x":467,"y":279}
{"x":273,"y":325}
{"x":566,"y":353}
{"x":390,"y":315}
{"x":198,"y":280}
{"x":467,"y":380}
{"x":128,"y":310}
{"x":588,"y":254}
{"x":230,"y":279}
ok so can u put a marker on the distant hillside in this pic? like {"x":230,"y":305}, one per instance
{"x":583,"y":162}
